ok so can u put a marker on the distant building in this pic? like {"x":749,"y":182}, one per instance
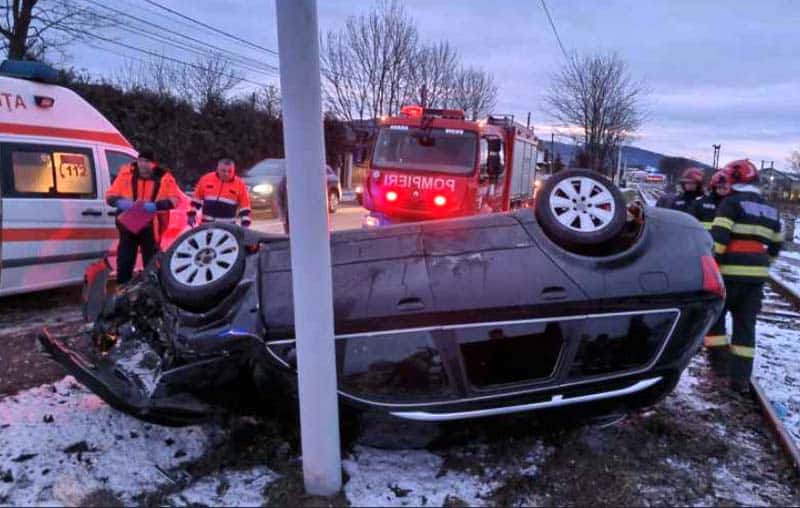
{"x":779,"y":185}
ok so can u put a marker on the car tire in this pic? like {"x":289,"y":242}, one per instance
{"x":203,"y":265}
{"x":333,"y":201}
{"x":580,"y":208}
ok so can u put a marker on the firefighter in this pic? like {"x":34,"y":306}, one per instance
{"x":222,"y":196}
{"x":691,"y":183}
{"x":704,"y":208}
{"x":143,"y":180}
{"x":747,"y":238}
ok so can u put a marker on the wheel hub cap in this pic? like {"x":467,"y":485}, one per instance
{"x":204,"y":257}
{"x":582,"y":204}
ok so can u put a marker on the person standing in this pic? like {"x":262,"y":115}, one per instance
{"x":704,"y":210}
{"x":143,"y":180}
{"x":747,"y":238}
{"x":705,"y":207}
{"x":222,"y":196}
{"x":691,"y":183}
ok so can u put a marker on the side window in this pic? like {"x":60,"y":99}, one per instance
{"x":40,"y":171}
{"x":115,"y":161}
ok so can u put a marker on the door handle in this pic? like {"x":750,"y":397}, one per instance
{"x":553,"y":293}
{"x":412,"y":303}
{"x":93,"y":212}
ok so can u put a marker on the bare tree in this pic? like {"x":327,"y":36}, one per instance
{"x":431,"y":75}
{"x":366,"y":64}
{"x":157,"y":75}
{"x":208,"y":80}
{"x":794,"y":161}
{"x":31,"y":28}
{"x":268,"y":99}
{"x":597,"y":94}
{"x":474,"y":91}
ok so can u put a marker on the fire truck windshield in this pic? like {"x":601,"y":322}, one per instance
{"x":441,"y":150}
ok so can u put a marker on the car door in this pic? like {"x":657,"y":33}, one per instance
{"x":54,"y":223}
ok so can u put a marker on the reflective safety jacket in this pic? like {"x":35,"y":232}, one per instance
{"x":704,"y":208}
{"x":683,"y":202}
{"x":161,"y":188}
{"x":221,"y":201}
{"x":747,"y":235}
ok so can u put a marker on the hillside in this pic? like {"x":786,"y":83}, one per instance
{"x":632,"y":155}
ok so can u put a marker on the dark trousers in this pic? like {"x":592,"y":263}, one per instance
{"x":743,"y":301}
{"x":129,"y":245}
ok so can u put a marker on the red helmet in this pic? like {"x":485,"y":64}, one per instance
{"x":741,"y":171}
{"x":718,"y":178}
{"x":693,"y":175}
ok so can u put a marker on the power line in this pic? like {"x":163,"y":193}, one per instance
{"x":555,"y":32}
{"x":205,"y":25}
{"x":248,"y":63}
{"x":163,"y":57}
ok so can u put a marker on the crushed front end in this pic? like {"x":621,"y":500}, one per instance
{"x":145,"y":356}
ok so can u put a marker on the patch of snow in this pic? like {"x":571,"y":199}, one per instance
{"x":233,"y":488}
{"x":54,"y":432}
{"x":777,"y":369}
{"x":786,"y":272}
{"x":407,"y":478}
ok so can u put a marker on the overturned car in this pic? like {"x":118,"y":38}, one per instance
{"x":584,"y":302}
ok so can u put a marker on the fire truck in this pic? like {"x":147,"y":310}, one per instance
{"x":434,"y":164}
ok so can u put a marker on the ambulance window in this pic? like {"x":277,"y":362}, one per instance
{"x":49,"y":172}
{"x":33,"y":172}
{"x":115,"y":161}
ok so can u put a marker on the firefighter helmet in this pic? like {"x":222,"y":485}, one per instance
{"x":719,"y":177}
{"x":692,"y":175}
{"x":741,"y":171}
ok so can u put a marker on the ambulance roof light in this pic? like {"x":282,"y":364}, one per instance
{"x":34,"y":71}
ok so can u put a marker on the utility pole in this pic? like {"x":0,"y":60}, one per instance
{"x":716,"y":155}
{"x":298,"y":44}
{"x":552,"y":151}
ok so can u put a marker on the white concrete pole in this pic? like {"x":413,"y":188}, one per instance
{"x":298,"y":44}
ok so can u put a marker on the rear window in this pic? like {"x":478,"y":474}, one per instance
{"x":38,"y":171}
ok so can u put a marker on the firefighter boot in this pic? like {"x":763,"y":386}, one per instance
{"x":719,"y":361}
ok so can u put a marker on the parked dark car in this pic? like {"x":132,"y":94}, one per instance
{"x":435,"y":321}
{"x":264,"y":179}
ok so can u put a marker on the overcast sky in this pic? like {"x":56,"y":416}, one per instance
{"x":725,"y":71}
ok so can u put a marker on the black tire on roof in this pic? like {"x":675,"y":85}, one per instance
{"x":203,"y":265}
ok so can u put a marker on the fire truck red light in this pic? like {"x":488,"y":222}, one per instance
{"x":440,"y":201}
{"x":391,"y":196}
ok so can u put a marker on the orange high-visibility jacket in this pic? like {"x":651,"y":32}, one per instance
{"x":162,"y":190}
{"x":222,"y":201}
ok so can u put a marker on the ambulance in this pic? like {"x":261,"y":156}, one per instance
{"x":58,"y":156}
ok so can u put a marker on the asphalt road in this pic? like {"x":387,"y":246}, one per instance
{"x":346,"y":217}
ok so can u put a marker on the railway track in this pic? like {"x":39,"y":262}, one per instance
{"x":780,"y":307}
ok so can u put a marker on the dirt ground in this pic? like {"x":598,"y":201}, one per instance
{"x":21,"y":365}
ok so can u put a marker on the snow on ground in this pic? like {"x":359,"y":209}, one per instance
{"x":234,"y":488}
{"x":786,"y":271}
{"x":407,"y":478}
{"x":60,"y":442}
{"x":777,"y":369}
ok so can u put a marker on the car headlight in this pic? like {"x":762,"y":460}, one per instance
{"x":263,"y":188}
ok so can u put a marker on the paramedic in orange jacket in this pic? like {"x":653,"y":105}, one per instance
{"x":222,"y":196}
{"x":142,"y":180}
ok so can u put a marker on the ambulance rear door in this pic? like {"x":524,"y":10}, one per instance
{"x":54,"y":217}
